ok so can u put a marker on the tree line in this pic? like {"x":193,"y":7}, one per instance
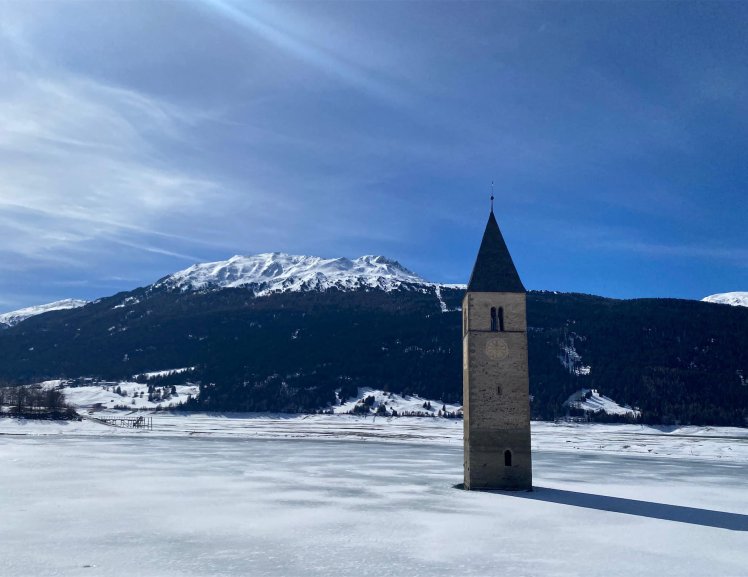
{"x":35,"y":403}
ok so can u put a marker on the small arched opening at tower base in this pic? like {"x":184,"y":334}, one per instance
{"x":494,"y":320}
{"x":501,"y":319}
{"x":507,"y":458}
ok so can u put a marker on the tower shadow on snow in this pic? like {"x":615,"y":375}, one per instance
{"x":677,"y":513}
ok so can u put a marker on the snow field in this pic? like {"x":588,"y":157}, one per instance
{"x":133,"y":395}
{"x":165,"y":506}
{"x":726,"y":444}
{"x":401,"y":404}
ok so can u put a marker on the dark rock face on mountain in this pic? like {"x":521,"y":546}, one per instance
{"x":678,"y":361}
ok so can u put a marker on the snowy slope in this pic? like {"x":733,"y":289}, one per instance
{"x":14,"y":317}
{"x":163,"y":373}
{"x":122,"y":394}
{"x":597,"y":402}
{"x":737,"y":299}
{"x":409,"y":404}
{"x":279,"y":272}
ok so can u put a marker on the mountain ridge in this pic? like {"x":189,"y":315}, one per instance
{"x":376,"y":324}
{"x":268,"y":273}
{"x":278,"y":272}
{"x":12,"y":318}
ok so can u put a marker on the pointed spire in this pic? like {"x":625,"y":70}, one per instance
{"x":492,"y":197}
{"x":494,"y":269}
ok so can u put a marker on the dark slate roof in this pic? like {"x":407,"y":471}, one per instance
{"x":494,"y":270}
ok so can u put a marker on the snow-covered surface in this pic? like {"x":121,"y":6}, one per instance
{"x":393,"y":401}
{"x":164,"y":373}
{"x":127,"y":302}
{"x":279,"y":272}
{"x":570,"y":358}
{"x":15,"y":317}
{"x":737,"y":299}
{"x":442,"y":304}
{"x":238,"y":495}
{"x":597,"y":402}
{"x":712,"y":443}
{"x":132,"y":395}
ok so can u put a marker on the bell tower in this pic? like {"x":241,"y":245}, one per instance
{"x":495,"y":376}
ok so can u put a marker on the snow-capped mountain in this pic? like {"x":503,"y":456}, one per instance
{"x":279,"y":272}
{"x":14,"y":317}
{"x":736,"y":299}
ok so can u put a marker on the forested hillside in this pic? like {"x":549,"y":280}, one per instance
{"x":677,"y":360}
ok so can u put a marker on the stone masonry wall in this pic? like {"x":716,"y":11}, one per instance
{"x":496,"y":393}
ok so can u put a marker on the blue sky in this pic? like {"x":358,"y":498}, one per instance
{"x":139,"y":138}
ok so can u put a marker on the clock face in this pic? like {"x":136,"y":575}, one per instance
{"x":497,"y":349}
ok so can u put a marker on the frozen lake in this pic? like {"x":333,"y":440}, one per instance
{"x":93,"y":502}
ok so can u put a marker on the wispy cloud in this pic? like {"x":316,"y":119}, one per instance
{"x":81,"y":159}
{"x":279,"y":27}
{"x":157,"y":250}
{"x":737,"y":256}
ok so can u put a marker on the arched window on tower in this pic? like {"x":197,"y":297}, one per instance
{"x":501,"y":319}
{"x":507,"y":458}
{"x":494,"y":321}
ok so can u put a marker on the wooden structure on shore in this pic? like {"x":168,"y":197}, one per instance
{"x":140,"y":422}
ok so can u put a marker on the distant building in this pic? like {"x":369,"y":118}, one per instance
{"x":495,"y":370}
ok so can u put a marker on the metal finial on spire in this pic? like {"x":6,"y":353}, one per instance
{"x":492,"y":196}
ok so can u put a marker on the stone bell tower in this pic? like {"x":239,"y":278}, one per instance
{"x":495,"y":376}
